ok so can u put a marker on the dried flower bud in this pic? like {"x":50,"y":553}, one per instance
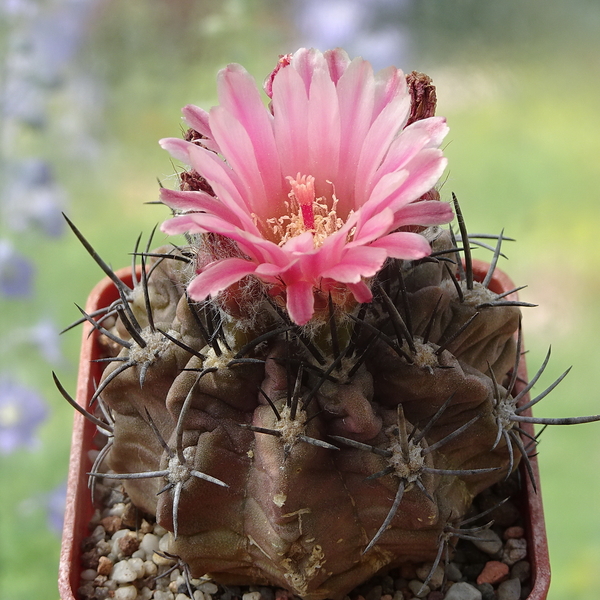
{"x":422,"y":92}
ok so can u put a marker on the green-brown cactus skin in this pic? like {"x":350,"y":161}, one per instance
{"x":293,"y":428}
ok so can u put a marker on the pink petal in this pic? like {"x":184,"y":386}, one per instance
{"x":323,"y":134}
{"x":359,"y":262}
{"x":425,"y":171}
{"x":338,"y":61}
{"x":197,"y":119}
{"x":356,"y":98}
{"x":423,"y":212}
{"x":426,"y":133}
{"x":405,"y":245}
{"x":225,"y":183}
{"x":375,"y":227}
{"x":290,"y":108}
{"x":218,"y":276}
{"x":300,"y":301}
{"x":397,"y":189}
{"x":240,"y":97}
{"x":361,"y":291}
{"x":389,"y":83}
{"x":259,"y":249}
{"x":237,"y":148}
{"x":197,"y":201}
{"x":305,"y":62}
{"x":177,"y":148}
{"x":377,"y":142}
{"x":300,"y":244}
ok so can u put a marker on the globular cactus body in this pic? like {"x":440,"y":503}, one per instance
{"x":282,"y":463}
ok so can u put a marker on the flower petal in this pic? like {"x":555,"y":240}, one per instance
{"x":300,"y":301}
{"x":361,"y":291}
{"x":198,"y":201}
{"x":423,"y":212}
{"x":363,"y":261}
{"x":404,"y":245}
{"x":218,"y":276}
{"x":290,"y":108}
{"x":197,"y":119}
{"x":240,"y":97}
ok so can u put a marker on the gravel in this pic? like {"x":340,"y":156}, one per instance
{"x":123,"y":559}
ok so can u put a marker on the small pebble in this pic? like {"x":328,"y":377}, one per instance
{"x":103,"y":547}
{"x":387,"y":584}
{"x":251,"y":596}
{"x":137,"y":564}
{"x":126,"y":592}
{"x":105,"y":566}
{"x":182,"y":597}
{"x":198,"y":595}
{"x":514,"y":532}
{"x":165,"y":541}
{"x":493,"y":572}
{"x":159,"y":531}
{"x":398,"y":595}
{"x":89,"y":559}
{"x":487,"y":541}
{"x":149,"y":544}
{"x":98,"y":534}
{"x":208,"y":587}
{"x":88,"y":574}
{"x":436,"y":595}
{"x":111,"y":524}
{"x":117,"y":510}
{"x":509,"y":590}
{"x":418,"y":589}
{"x":514,"y":550}
{"x":150,"y":569}
{"x":145,"y":593}
{"x":123,"y":572}
{"x":521,"y":570}
{"x":463,"y":591}
{"x":437,"y":577}
{"x":159,"y":595}
{"x":101,"y":593}
{"x":487,"y":591}
{"x":453,"y":572}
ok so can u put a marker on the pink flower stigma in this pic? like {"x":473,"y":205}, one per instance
{"x":303,"y":192}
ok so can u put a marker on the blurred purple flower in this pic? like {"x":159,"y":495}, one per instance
{"x":361,"y":27}
{"x":45,"y":336}
{"x":22,"y":410}
{"x":16,"y":272}
{"x":33,"y":198}
{"x":55,"y":502}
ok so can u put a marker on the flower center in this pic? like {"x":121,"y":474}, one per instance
{"x":306,"y":212}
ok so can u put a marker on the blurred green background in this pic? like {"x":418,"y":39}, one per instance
{"x":87,"y":87}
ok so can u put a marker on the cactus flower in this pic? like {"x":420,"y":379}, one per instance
{"x":315,"y":189}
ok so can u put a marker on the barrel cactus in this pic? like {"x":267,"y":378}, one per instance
{"x":314,"y":386}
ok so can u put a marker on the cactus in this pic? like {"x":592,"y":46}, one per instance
{"x":311,"y":439}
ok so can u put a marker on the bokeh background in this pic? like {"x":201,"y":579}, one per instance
{"x":87,"y":87}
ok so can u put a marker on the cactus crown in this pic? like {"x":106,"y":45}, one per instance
{"x":299,"y":411}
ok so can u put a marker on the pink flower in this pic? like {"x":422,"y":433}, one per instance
{"x":314,"y":189}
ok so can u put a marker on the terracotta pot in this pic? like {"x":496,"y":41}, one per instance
{"x":79,"y":508}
